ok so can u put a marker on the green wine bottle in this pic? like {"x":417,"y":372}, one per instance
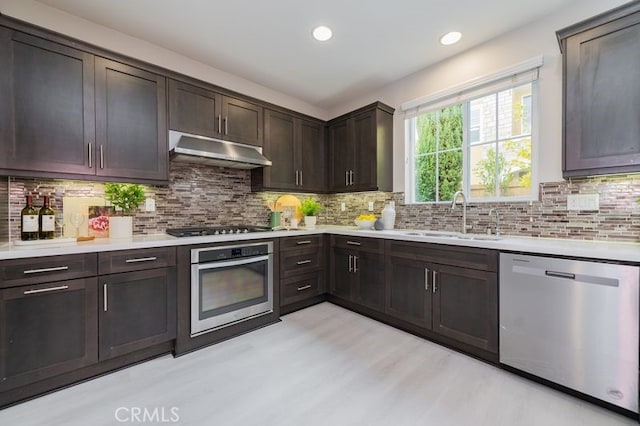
{"x":46,"y":220}
{"x":29,"y":221}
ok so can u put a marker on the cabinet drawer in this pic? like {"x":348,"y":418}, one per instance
{"x":301,"y":287}
{"x":37,"y":270}
{"x":300,"y":261}
{"x":465,"y":257}
{"x":360,"y":243}
{"x":304,"y":241}
{"x":135,"y":260}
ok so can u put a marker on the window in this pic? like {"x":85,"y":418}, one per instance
{"x":480,"y":142}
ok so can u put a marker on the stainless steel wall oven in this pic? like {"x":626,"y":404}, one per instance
{"x":230,"y":284}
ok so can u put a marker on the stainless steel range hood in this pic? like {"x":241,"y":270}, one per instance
{"x":214,"y":152}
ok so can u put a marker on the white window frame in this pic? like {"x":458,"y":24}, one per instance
{"x":517,"y":75}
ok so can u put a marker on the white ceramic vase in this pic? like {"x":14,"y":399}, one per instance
{"x":120,"y":227}
{"x":310,"y":222}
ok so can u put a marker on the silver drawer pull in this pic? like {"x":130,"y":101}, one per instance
{"x":44,"y":290}
{"x":354,"y":243}
{"x":141,"y":259}
{"x":304,"y":287}
{"x":54,"y":269}
{"x":303,"y":262}
{"x":300,"y":243}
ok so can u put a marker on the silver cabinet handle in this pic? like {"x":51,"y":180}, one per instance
{"x":304,"y":287}
{"x":350,"y":177}
{"x":355,"y":264}
{"x":296,"y":178}
{"x":303,"y":262}
{"x":37,"y":271}
{"x":101,"y":156}
{"x":90,"y":155}
{"x":354,"y":243}
{"x":300,"y":177}
{"x":44,"y":290}
{"x":346,"y":177}
{"x":141,"y":259}
{"x":303,"y":242}
{"x":350,"y":263}
{"x":220,"y":123}
{"x":226,"y":125}
{"x":426,"y":279}
{"x":434,"y":276}
{"x":104,"y":293}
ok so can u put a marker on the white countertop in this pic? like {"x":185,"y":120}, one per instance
{"x":616,"y":251}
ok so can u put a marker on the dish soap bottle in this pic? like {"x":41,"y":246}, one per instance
{"x":389,"y":215}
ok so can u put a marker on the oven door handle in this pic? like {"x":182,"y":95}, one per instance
{"x":234,"y":262}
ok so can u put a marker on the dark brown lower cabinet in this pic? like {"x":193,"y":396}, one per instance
{"x":457,"y":302}
{"x":136,"y":310}
{"x":47,"y":330}
{"x":357,"y":273}
{"x":302,"y":274}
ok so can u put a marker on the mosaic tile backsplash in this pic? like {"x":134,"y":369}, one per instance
{"x":4,"y":209}
{"x":200,"y":195}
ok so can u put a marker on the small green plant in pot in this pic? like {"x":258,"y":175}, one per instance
{"x":310,"y":209}
{"x":126,"y":197}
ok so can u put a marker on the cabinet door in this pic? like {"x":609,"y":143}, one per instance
{"x":137,"y":310}
{"x":341,"y":273}
{"x":241,"y":121}
{"x":465,"y":306}
{"x":46,"y":330}
{"x":342,"y":152}
{"x":279,"y":148}
{"x":47,"y":108}
{"x":602,"y":106}
{"x":131,"y":123}
{"x":364,"y":141}
{"x":408,"y":296}
{"x":194,"y":110}
{"x":369,"y":286}
{"x":312,"y":156}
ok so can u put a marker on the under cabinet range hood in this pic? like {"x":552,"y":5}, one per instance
{"x":214,"y":152}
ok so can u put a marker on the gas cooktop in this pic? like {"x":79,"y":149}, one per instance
{"x":216,"y":230}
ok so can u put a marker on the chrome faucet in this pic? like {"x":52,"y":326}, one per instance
{"x":495,"y":211}
{"x":464,"y":209}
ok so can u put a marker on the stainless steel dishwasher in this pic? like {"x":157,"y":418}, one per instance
{"x":574,"y":323}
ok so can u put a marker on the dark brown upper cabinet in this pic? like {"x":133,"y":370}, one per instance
{"x":205,"y":112}
{"x":298,"y":152}
{"x":131,"y":124}
{"x":601,"y":116}
{"x":47,"y":119}
{"x":68,"y":113}
{"x":361,"y":150}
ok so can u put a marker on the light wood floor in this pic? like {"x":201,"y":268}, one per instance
{"x":320,"y":366}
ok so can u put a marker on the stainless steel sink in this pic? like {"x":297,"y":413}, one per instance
{"x":477,"y":237}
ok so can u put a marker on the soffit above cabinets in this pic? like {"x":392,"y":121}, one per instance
{"x":270,"y":42}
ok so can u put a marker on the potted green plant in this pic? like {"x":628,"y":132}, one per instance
{"x":309,"y":209}
{"x":126,"y":197}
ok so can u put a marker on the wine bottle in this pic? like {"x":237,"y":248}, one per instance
{"x":29,"y":221}
{"x":46,"y":220}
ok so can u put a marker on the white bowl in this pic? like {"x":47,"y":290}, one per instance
{"x":364,"y":224}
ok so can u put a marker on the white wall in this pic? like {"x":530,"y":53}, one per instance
{"x":535,"y":39}
{"x":73,"y":26}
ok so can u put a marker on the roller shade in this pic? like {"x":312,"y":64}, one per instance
{"x":521,"y":73}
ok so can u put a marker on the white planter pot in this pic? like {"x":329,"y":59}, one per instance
{"x":120,"y":227}
{"x":310,"y":221}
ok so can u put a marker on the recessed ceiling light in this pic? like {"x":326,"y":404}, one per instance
{"x":322,"y":33}
{"x":450,"y":38}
